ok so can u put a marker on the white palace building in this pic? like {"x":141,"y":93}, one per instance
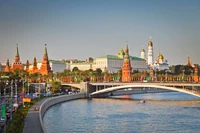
{"x":113,"y":63}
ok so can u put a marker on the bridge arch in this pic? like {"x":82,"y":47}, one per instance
{"x":111,"y":89}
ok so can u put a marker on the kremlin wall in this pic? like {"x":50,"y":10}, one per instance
{"x":110,"y":63}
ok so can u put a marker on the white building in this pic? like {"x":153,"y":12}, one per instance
{"x":143,"y":54}
{"x":150,"y":53}
{"x":82,"y":66}
{"x":160,"y":64}
{"x":56,"y":66}
{"x":112,"y":63}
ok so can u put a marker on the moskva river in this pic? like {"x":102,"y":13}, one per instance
{"x":171,"y":112}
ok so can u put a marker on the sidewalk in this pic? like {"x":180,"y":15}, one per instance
{"x":32,"y":121}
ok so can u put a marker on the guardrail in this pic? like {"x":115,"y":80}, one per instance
{"x":55,"y":100}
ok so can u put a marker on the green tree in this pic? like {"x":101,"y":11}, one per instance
{"x":56,"y":86}
{"x":98,"y":72}
{"x":75,"y":69}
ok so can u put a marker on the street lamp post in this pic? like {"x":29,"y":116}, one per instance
{"x":16,"y":91}
{"x":11,"y":99}
{"x":0,"y":91}
{"x":28,"y":87}
{"x":5,"y":88}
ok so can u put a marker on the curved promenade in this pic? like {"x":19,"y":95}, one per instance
{"x":32,"y":121}
{"x":54,"y":100}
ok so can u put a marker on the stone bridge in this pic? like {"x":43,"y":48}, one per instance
{"x":95,"y":89}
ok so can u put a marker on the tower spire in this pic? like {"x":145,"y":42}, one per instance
{"x":17,"y":53}
{"x":17,"y":64}
{"x":188,"y":61}
{"x":45,"y":50}
{"x":45,"y":68}
{"x":127,"y":51}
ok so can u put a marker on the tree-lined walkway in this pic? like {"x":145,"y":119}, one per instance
{"x":32,"y":121}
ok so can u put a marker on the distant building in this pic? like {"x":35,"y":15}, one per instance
{"x":126,"y":68}
{"x":112,"y":63}
{"x":7,"y":68}
{"x":17,"y":63}
{"x":57,"y":66}
{"x":34,"y":67}
{"x":3,"y":66}
{"x":82,"y":65}
{"x":150,"y":53}
{"x":160,"y":64}
{"x":188,"y":63}
{"x":89,"y":60}
{"x":45,"y":68}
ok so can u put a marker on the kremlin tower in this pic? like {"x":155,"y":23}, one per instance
{"x":17,"y":64}
{"x":27,"y":66}
{"x":150,"y":52}
{"x":45,"y":68}
{"x":126,"y":68}
{"x":188,"y":62}
{"x":35,"y":68}
{"x":196,"y":74}
{"x":7,"y":68}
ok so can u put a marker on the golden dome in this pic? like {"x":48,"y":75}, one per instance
{"x":150,"y":43}
{"x":161,"y":56}
{"x":142,"y":50}
{"x":121,"y":51}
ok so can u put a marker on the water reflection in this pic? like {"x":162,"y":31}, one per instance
{"x":125,"y":116}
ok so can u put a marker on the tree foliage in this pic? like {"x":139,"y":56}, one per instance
{"x":75,"y":69}
{"x":56,"y":86}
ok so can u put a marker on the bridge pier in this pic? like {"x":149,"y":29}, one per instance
{"x":88,"y":88}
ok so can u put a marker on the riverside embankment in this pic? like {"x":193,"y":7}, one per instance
{"x":55,"y":100}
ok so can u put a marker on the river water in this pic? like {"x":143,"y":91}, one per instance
{"x":161,"y":113}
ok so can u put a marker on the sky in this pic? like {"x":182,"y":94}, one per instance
{"x":78,"y":29}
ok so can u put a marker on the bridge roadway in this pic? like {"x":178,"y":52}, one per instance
{"x":95,"y":89}
{"x":170,"y":84}
{"x":149,"y":83}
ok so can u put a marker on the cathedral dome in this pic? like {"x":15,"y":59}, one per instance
{"x":142,"y":50}
{"x":161,"y":57}
{"x":121,"y":51}
{"x":150,"y":43}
